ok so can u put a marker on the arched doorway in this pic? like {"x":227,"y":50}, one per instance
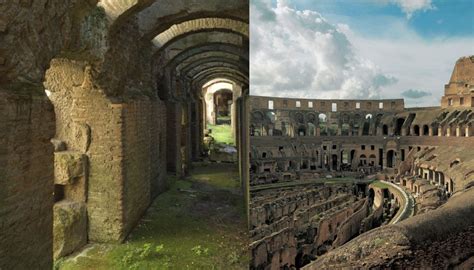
{"x":390,"y":158}
{"x":220,"y":113}
{"x":323,"y":124}
{"x":223,"y":102}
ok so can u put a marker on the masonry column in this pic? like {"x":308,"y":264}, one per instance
{"x":196,"y":127}
{"x":173,"y":145}
{"x":404,"y":131}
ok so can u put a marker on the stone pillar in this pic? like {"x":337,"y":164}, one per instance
{"x":404,"y":131}
{"x":448,"y":132}
{"x":173,"y":145}
{"x":430,"y":131}
{"x":468,"y":134}
{"x":233,"y":119}
{"x":186,"y":139}
{"x":384,"y":159}
{"x":440,"y":131}
{"x":197,"y":132}
{"x":243,"y":142}
{"x":458,"y":131}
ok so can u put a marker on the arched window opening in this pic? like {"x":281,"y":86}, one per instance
{"x":426,"y":130}
{"x":399,"y":125}
{"x":416,"y":130}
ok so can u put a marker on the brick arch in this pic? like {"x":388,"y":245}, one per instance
{"x":201,"y":24}
{"x":163,"y":14}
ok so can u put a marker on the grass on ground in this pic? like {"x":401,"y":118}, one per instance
{"x":222,"y":133}
{"x":198,"y":223}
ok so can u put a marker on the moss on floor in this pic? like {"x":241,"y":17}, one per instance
{"x":222,"y":175}
{"x":222,"y":133}
{"x":198,"y":224}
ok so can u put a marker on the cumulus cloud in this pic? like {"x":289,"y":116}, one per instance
{"x":415,"y":93}
{"x":298,"y":53}
{"x":417,"y":63}
{"x":409,"y":7}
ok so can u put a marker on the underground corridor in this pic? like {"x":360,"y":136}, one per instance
{"x":104,"y":136}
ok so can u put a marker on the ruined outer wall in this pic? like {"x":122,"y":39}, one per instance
{"x":460,"y":85}
{"x":463,"y":73}
{"x":325,"y":105}
{"x":26,"y":178}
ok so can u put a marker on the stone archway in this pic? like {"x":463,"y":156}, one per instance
{"x":123,"y":106}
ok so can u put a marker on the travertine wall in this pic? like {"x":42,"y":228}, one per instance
{"x":458,"y":92}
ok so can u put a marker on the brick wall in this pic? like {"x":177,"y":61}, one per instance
{"x":143,"y":166}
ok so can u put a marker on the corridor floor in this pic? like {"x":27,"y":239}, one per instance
{"x":199,"y":223}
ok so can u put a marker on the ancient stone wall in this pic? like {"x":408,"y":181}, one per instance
{"x":442,"y":237}
{"x":31,"y":33}
{"x":327,"y":105}
{"x":26,"y":177}
{"x":289,"y":226}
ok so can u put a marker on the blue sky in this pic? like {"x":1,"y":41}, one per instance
{"x":358,"y":48}
{"x":446,"y":18}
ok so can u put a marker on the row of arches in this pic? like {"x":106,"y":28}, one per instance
{"x":118,"y":85}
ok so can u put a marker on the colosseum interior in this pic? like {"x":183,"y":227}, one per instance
{"x":101,"y":101}
{"x":363,"y":184}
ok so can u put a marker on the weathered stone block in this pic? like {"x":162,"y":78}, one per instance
{"x":70,"y":227}
{"x":58,"y":145}
{"x":82,"y":135}
{"x":68,"y":166}
{"x":3,"y":26}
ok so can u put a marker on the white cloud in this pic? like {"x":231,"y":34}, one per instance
{"x":300,"y":54}
{"x":416,"y":63}
{"x":411,"y":6}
